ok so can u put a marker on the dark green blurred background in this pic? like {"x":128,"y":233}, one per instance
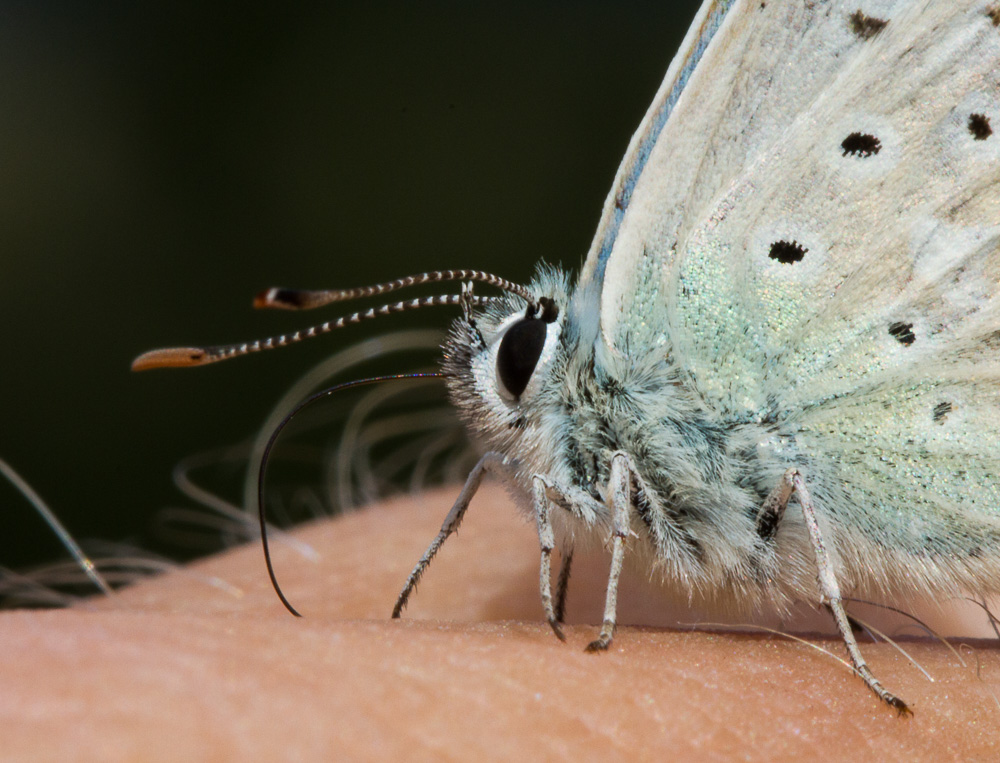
{"x":162,"y":162}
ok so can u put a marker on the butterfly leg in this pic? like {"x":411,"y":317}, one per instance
{"x":831,"y":591}
{"x":583,"y":508}
{"x":620,"y":488}
{"x":562,"y":585}
{"x":490,"y":463}
{"x":547,"y":540}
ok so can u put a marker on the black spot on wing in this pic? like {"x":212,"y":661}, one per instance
{"x":992,"y":340}
{"x":865,"y":27}
{"x":861,"y":144}
{"x":993,"y":11}
{"x":941,"y":411}
{"x":979,"y":126}
{"x":787,"y":252}
{"x":902,"y":333}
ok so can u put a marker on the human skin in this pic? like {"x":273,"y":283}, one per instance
{"x":184,"y":667}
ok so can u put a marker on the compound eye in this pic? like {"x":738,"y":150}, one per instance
{"x":518,"y":354}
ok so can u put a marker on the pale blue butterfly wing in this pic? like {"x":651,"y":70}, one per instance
{"x":718,"y":115}
{"x":814,"y":242}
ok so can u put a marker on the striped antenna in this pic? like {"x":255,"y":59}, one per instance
{"x":183,"y":357}
{"x":304,"y":299}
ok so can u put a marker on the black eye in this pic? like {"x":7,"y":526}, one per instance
{"x":518,"y":354}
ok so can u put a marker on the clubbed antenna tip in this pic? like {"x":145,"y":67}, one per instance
{"x":290,"y":299}
{"x":173,"y":357}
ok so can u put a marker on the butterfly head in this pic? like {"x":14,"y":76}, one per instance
{"x":503,"y":364}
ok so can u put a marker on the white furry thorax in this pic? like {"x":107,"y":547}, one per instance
{"x":705,"y":477}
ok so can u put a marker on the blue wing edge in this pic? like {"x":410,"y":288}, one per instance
{"x":701,"y":33}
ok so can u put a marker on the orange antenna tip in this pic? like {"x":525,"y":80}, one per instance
{"x":173,"y":357}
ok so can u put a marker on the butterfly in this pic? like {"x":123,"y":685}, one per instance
{"x":776,"y":376}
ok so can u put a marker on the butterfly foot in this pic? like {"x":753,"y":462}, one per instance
{"x":891,"y":700}
{"x":602,"y":642}
{"x":898,"y":705}
{"x":557,"y":629}
{"x":881,"y":692}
